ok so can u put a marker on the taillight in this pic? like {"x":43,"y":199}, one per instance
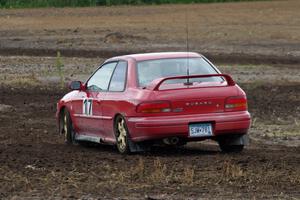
{"x":154,"y":107}
{"x":236,"y":103}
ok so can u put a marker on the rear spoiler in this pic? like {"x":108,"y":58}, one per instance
{"x":154,"y":85}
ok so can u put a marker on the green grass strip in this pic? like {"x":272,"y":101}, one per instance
{"x":91,"y":3}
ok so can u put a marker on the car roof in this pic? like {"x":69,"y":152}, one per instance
{"x":153,"y":56}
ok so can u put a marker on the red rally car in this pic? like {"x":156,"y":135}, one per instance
{"x":135,"y":101}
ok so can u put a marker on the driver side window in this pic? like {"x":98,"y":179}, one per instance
{"x":100,"y":80}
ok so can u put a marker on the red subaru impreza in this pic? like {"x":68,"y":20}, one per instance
{"x":135,"y":101}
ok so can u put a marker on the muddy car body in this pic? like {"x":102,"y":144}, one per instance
{"x":137,"y":100}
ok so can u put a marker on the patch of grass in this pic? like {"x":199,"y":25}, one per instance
{"x":139,"y":2}
{"x":60,"y":69}
{"x":159,"y":173}
{"x":23,"y":81}
{"x":188,"y":176}
{"x":294,"y":179}
{"x":45,"y":3}
{"x":137,"y":172}
{"x":231,"y":171}
{"x":276,"y":129}
{"x":75,"y":180}
{"x":13,"y":181}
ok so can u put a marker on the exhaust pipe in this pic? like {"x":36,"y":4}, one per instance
{"x":171,"y":141}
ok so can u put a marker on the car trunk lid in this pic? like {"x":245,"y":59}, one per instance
{"x":189,"y":98}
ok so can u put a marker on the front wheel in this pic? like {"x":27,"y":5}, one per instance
{"x":122,"y":135}
{"x":67,"y":128}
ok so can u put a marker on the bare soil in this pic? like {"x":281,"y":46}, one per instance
{"x":257,"y":43}
{"x":35,"y":163}
{"x":230,"y":32}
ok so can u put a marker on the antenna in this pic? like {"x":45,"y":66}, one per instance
{"x":187,"y":49}
{"x":187,"y":30}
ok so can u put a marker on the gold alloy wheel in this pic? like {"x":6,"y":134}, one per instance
{"x":122,"y":135}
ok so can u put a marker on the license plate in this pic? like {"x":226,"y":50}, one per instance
{"x":200,"y":130}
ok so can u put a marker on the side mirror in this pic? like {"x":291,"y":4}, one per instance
{"x":76,"y":85}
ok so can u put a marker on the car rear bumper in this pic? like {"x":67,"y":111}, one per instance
{"x":147,"y":128}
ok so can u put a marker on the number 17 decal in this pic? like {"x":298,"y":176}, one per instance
{"x":87,"y":107}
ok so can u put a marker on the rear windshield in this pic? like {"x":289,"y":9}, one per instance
{"x":150,"y":70}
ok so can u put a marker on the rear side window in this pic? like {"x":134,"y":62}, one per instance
{"x":118,"y":80}
{"x":100,"y":79}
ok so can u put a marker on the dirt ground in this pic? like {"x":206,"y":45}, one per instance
{"x":258,"y":43}
{"x":242,"y":32}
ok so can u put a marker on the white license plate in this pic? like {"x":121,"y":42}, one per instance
{"x":200,"y":130}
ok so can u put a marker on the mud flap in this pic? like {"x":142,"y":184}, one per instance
{"x":238,"y":140}
{"x":137,"y":147}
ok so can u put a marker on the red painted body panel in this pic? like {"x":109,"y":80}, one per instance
{"x":206,"y":104}
{"x":143,"y":128}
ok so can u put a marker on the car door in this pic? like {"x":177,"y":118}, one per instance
{"x":115,"y":99}
{"x":96,"y":88}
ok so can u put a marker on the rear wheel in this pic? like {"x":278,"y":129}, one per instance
{"x":67,"y":128}
{"x":122,"y":135}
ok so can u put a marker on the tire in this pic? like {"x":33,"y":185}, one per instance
{"x":122,"y":135}
{"x":231,"y":148}
{"x":67,"y":128}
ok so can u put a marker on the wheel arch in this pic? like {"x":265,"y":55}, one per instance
{"x":115,"y":117}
